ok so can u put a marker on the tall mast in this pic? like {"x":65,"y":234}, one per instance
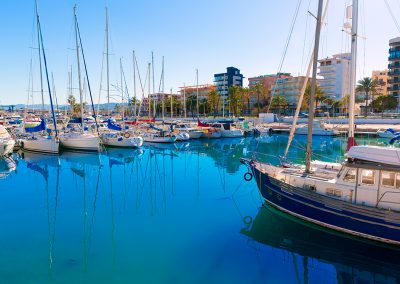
{"x":149,"y":90}
{"x":40,"y":54}
{"x":223,"y":98}
{"x":79,"y":66}
{"x":154,"y":89}
{"x":184,"y":98}
{"x":108,"y":69}
{"x":353,"y":65}
{"x":197,"y":92}
{"x":134,"y":82}
{"x":172,"y":108}
{"x":163,"y":91}
{"x":313,"y":87}
{"x":122,"y":96}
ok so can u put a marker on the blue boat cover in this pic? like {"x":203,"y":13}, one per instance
{"x":111,"y":125}
{"x":37,"y":128}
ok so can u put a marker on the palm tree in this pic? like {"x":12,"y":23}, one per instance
{"x":278,"y":101}
{"x":235,"y":99}
{"x":246,"y":95}
{"x":213,"y":100}
{"x":367,"y":85}
{"x":319,"y":96}
{"x":260,"y":91}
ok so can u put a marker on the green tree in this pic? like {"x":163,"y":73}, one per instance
{"x":191,"y":104}
{"x":213,"y":100}
{"x":260,"y":92}
{"x":382,"y":103}
{"x":319,"y":96}
{"x":278,"y":101}
{"x":246,"y":95}
{"x":367,"y":85}
{"x":235,"y":99}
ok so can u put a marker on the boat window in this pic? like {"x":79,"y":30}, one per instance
{"x":350,"y":175}
{"x":368,"y":177}
{"x":333,"y":192}
{"x":398,"y":181}
{"x":388,"y":178}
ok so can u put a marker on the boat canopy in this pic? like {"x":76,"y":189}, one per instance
{"x":383,"y":155}
{"x":40,"y":127}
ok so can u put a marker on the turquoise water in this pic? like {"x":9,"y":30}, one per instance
{"x":168,"y":214}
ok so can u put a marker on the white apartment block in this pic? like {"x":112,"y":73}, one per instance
{"x":334,"y":75}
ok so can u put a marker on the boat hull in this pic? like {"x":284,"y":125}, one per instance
{"x":211,"y":134}
{"x":232,"y":133}
{"x":122,"y":142}
{"x":316,"y":132}
{"x":169,"y":139}
{"x":349,"y":218}
{"x":81,"y":142}
{"x":195,"y":134}
{"x":7,"y":147}
{"x":41,"y":144}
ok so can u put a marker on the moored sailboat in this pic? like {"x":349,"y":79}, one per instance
{"x":357,"y":197}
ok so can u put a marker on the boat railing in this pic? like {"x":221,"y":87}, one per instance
{"x":383,"y":195}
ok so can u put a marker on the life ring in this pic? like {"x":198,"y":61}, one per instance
{"x":127,"y":135}
{"x":248,"y":176}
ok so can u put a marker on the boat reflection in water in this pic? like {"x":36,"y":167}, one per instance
{"x":7,"y":166}
{"x":354,"y":261}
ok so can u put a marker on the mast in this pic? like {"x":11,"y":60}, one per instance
{"x":122,"y":95}
{"x":47,"y":79}
{"x":303,"y":90}
{"x":197,"y":92}
{"x":108,"y":69}
{"x":149,"y":90}
{"x":172,"y":109}
{"x":79,"y":66}
{"x":184,"y":98}
{"x":40,"y":54}
{"x":154,"y":89}
{"x":223,"y":98}
{"x":313,"y":87}
{"x":163,"y":92}
{"x":134,"y":82}
{"x":353,"y":65}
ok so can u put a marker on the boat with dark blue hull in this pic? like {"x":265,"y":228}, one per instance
{"x":359,"y":197}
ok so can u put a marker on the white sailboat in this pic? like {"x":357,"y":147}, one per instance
{"x":6,"y":142}
{"x":82,"y":140}
{"x":42,"y":143}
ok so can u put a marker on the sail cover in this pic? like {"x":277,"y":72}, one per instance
{"x":37,"y":128}
{"x":111,"y":125}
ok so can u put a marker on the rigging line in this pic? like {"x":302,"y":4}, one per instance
{"x":305,"y":37}
{"x":285,"y":51}
{"x":392,"y":15}
{"x":101,"y":75}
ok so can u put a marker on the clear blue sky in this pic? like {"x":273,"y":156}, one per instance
{"x":208,"y":35}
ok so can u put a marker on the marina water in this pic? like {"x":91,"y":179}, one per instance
{"x":178,"y":213}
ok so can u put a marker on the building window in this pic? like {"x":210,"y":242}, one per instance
{"x":388,"y":178}
{"x":368,"y":177}
{"x":350,"y":175}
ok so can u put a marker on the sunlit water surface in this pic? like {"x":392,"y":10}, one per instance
{"x":168,"y":214}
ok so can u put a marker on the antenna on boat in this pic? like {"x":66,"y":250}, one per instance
{"x":353,"y":64}
{"x":313,"y":86}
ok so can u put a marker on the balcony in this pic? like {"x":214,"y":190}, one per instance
{"x":394,"y":65}
{"x":394,"y":88}
{"x":394,"y":72}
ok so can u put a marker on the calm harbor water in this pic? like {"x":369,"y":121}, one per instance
{"x":169,"y":214}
